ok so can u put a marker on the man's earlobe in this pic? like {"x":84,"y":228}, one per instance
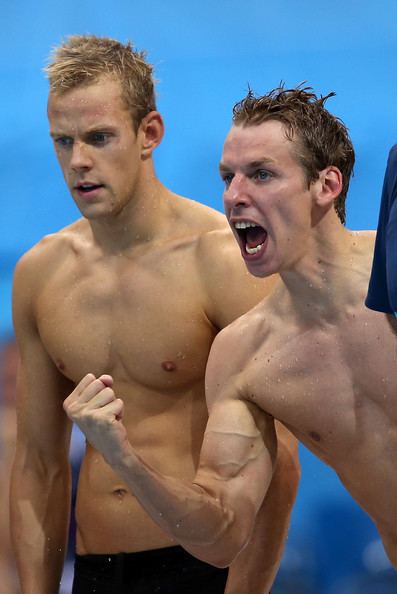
{"x":152,"y":130}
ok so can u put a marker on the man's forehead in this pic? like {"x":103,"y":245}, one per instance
{"x":88,"y":101}
{"x":103,"y":92}
{"x":262,"y":142}
{"x":257,"y":133}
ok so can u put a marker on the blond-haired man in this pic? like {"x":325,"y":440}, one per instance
{"x":137,"y":288}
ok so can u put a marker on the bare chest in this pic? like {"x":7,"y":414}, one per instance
{"x":334,"y":388}
{"x":142,"y":323}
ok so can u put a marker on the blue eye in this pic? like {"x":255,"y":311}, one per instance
{"x":262,"y":174}
{"x":227,"y":179}
{"x":99,"y":137}
{"x":63,"y":141}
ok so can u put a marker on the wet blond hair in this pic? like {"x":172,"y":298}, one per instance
{"x":83,"y":59}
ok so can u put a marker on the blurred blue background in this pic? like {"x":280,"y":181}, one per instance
{"x":205,"y":54}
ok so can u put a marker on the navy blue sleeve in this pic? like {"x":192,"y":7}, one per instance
{"x":382,"y":290}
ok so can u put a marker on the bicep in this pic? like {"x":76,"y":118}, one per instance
{"x":41,"y":388}
{"x":41,"y":421}
{"x":238,"y":455}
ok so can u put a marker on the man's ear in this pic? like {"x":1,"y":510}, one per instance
{"x":151,"y":130}
{"x":328,"y":186}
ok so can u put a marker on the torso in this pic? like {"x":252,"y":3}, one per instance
{"x":141,"y":319}
{"x":333,"y":383}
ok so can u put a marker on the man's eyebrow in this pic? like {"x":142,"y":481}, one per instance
{"x":259,"y":162}
{"x":108,"y":128}
{"x":250,"y":164}
{"x":101,"y":128}
{"x":54,"y":133}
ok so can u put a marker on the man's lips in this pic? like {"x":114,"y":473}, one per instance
{"x":87,"y":188}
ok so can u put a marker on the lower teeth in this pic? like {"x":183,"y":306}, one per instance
{"x":253,"y":250}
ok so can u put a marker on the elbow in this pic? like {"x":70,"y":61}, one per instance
{"x":217,"y":533}
{"x":220,"y":556}
{"x":224,"y":547}
{"x":225,"y":559}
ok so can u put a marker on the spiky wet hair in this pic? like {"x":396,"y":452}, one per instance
{"x":84,"y":59}
{"x":321,"y":138}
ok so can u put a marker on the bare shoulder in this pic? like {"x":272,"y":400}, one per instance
{"x":230,"y":288}
{"x":37,"y":263}
{"x":208,"y":225}
{"x":248,"y":331}
{"x":198,"y":217}
{"x":232,"y":351}
{"x":364,"y":240}
{"x":362,"y":250}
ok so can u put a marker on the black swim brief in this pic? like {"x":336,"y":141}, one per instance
{"x":161,"y":571}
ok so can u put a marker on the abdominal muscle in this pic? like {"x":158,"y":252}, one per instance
{"x":109,"y":518}
{"x":113,"y":521}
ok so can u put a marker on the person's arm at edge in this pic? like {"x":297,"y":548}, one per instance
{"x":40,"y":478}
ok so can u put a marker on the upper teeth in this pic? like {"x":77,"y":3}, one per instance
{"x":244,"y":224}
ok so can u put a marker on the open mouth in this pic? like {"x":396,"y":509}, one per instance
{"x":252,"y":237}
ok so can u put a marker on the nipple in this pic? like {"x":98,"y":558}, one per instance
{"x":168,"y":366}
{"x":60,"y":364}
{"x":120,"y":493}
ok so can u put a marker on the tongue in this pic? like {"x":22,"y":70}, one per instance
{"x":255,"y":236}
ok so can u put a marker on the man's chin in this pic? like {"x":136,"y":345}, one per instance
{"x":256,"y":265}
{"x":258,"y":270}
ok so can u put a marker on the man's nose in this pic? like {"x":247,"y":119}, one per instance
{"x":81,"y":157}
{"x":237,"y":193}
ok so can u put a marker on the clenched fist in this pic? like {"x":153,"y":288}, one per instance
{"x":97,"y":411}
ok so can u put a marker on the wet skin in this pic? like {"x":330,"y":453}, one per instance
{"x":138,"y":289}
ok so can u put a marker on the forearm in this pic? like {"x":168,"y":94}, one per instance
{"x":195,"y":516}
{"x":40,"y":508}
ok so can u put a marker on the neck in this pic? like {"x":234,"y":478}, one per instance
{"x":140,"y":221}
{"x":331,"y":276}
